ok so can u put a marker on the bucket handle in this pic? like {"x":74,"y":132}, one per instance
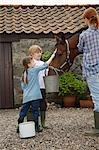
{"x":51,"y":67}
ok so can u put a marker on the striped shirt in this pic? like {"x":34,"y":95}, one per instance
{"x":89,"y":45}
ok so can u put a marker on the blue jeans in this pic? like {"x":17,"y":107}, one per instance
{"x":35,"y":104}
{"x":93,"y":84}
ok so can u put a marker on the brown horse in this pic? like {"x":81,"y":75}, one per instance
{"x":66,"y":52}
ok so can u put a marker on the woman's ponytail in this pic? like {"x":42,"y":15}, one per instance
{"x":94,"y":20}
{"x":92,"y":15}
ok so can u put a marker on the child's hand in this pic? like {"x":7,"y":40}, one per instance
{"x":55,"y":51}
{"x":52,"y":56}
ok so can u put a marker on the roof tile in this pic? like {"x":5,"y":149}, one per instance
{"x":40,"y":19}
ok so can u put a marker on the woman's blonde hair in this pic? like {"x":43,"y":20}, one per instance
{"x":92,"y":15}
{"x":34,"y":49}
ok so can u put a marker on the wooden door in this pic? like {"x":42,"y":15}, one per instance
{"x":6,"y":79}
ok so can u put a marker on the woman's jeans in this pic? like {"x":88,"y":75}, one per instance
{"x":35,"y":104}
{"x":93,"y":84}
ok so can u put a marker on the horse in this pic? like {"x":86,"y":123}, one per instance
{"x":66,"y":52}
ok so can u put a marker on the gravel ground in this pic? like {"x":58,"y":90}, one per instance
{"x":66,"y":131}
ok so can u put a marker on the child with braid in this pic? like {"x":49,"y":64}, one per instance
{"x":31,"y":89}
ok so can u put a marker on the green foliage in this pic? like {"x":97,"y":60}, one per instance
{"x":70,"y":85}
{"x":46,"y":55}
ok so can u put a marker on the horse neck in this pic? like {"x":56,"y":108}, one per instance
{"x":73,"y":41}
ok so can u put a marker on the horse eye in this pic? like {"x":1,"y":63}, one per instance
{"x":59,"y":52}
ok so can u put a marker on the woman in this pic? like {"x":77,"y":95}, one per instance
{"x":89,"y":46}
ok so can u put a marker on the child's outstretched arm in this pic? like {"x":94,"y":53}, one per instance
{"x":46,"y":64}
{"x":51,"y":58}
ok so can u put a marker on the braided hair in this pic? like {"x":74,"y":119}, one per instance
{"x":25,"y":62}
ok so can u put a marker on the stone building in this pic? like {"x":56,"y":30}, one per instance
{"x":22,"y":26}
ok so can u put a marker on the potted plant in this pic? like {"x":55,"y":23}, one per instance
{"x":86,"y":103}
{"x":70,"y":88}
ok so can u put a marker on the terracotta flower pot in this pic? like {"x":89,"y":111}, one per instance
{"x":69,"y":101}
{"x":87,"y":103}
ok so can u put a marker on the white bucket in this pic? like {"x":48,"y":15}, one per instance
{"x":27,"y":129}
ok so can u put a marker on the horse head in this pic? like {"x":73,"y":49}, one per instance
{"x":66,"y":52}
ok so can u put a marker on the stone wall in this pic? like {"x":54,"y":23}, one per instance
{"x":19,"y":50}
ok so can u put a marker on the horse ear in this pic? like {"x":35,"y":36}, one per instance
{"x":57,"y":38}
{"x":62,"y":36}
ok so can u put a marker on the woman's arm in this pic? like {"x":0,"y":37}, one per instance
{"x":80,"y":44}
